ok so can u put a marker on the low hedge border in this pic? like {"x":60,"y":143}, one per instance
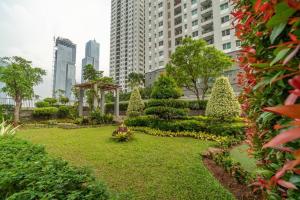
{"x":192,"y":125}
{"x":222,"y":141}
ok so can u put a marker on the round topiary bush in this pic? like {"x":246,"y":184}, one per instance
{"x":166,"y":88}
{"x":223,"y":104}
{"x":136,"y":105}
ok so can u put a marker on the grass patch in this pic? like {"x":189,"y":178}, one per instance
{"x":240,"y":155}
{"x":148,"y":167}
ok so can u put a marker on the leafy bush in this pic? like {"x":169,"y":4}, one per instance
{"x":51,"y":101}
{"x":167,"y":112}
{"x":122,"y":134}
{"x":233,"y":167}
{"x":82,"y":121}
{"x":217,"y":128}
{"x":96,"y":117}
{"x":42,"y":104}
{"x":45,"y":113}
{"x":165,"y":87}
{"x":64,"y":100}
{"x":136,"y":105}
{"x":63,"y":111}
{"x":223,"y":103}
{"x":27,"y":172}
{"x":167,"y":103}
{"x":197,"y":105}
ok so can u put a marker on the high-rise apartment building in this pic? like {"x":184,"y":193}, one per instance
{"x":127,"y":46}
{"x":168,"y":21}
{"x":92,"y":53}
{"x":64,"y":67}
{"x":3,"y":96}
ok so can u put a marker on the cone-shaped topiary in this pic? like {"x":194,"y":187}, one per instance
{"x":136,"y":105}
{"x":223,"y":104}
{"x":165,"y":88}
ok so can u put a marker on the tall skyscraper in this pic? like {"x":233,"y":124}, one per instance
{"x":168,"y":21}
{"x":64,"y":67}
{"x":127,"y":53}
{"x":92,"y":53}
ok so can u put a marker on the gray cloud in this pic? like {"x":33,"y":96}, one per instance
{"x":27,"y":28}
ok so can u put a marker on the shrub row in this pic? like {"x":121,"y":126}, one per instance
{"x":52,"y":112}
{"x":234,"y":168}
{"x":167,"y":112}
{"x":224,"y":141}
{"x":224,"y":129}
{"x":167,"y":103}
{"x":192,"y":105}
{"x":27,"y":172}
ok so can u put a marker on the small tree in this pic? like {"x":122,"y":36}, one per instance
{"x":135,"y":79}
{"x":91,"y":74}
{"x":194,"y":60}
{"x":223,"y":103}
{"x":136,"y":105}
{"x":20,"y":78}
{"x":165,"y":88}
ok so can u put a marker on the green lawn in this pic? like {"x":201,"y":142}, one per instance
{"x":241,"y":155}
{"x":147,"y":168}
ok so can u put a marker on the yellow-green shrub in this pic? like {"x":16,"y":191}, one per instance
{"x":223,"y":103}
{"x":136,"y":105}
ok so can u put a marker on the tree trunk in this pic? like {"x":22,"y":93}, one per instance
{"x":18,"y":106}
{"x":205,"y":88}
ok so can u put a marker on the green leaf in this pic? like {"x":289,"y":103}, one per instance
{"x":277,"y":31}
{"x":280,"y":55}
{"x":283,"y":12}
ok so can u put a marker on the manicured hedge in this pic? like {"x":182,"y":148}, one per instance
{"x":193,"y":125}
{"x":27,"y":172}
{"x":45,"y":113}
{"x":191,"y":104}
{"x":167,"y":103}
{"x":167,"y":112}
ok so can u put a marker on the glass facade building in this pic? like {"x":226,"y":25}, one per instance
{"x":92,"y":53}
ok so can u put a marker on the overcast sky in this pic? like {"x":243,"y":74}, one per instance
{"x":27,"y":28}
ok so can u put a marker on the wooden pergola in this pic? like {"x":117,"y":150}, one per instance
{"x":100,"y":88}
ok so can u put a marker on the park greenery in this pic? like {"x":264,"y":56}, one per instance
{"x":152,"y":151}
{"x":195,"y":61}
{"x":19,"y":78}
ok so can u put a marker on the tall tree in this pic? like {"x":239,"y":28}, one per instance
{"x":135,"y":79}
{"x":91,"y":74}
{"x":20,"y":77}
{"x":194,"y":63}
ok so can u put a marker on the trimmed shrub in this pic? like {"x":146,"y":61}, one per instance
{"x":136,"y":105}
{"x":110,"y":107}
{"x":51,"y":101}
{"x":63,"y":111}
{"x":63,"y":100}
{"x":45,"y":113}
{"x":223,"y":103}
{"x":27,"y":172}
{"x":97,"y":117}
{"x":167,"y":112}
{"x":165,"y":88}
{"x":223,"y":129}
{"x":42,"y":104}
{"x":196,"y":105}
{"x":167,"y":103}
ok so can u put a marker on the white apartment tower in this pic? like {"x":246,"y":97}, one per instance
{"x":168,"y":21}
{"x":127,"y":51}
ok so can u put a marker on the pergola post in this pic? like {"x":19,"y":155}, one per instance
{"x":80,"y":107}
{"x":95,"y":96}
{"x":117,"y":96}
{"x":103,"y":101}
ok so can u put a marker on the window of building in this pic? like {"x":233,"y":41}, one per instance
{"x":160,"y":14}
{"x":194,"y":12}
{"x":227,"y":46}
{"x":193,"y":1}
{"x":160,"y":33}
{"x":161,"y":53}
{"x":160,"y":23}
{"x":225,"y":19}
{"x":195,"y":23}
{"x":226,"y":32}
{"x":224,"y":6}
{"x":195,"y":34}
{"x":161,"y":43}
{"x":238,"y":43}
{"x":160,"y":5}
